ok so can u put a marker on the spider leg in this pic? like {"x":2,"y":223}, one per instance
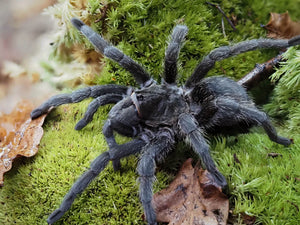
{"x":108,"y":132}
{"x":96,"y":167}
{"x":118,"y":152}
{"x":227,"y":51}
{"x":190,"y":128}
{"x":94,"y":105}
{"x":172,"y":52}
{"x":155,"y":150}
{"x":250,"y":114}
{"x":77,"y":96}
{"x":140,"y":75}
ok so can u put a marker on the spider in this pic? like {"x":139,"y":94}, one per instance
{"x":156,"y":115}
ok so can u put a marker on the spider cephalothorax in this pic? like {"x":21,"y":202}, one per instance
{"x":157,"y":115}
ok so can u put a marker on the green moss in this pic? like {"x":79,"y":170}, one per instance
{"x":35,"y":187}
{"x":136,"y":28}
{"x":261,"y":186}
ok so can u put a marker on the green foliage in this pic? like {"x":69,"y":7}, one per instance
{"x":141,"y":29}
{"x":260,"y":186}
{"x":286,"y":99}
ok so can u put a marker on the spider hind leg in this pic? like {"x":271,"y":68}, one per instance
{"x":114,"y":154}
{"x":242,"y":116}
{"x":155,"y":150}
{"x":190,"y":129}
{"x":96,"y":167}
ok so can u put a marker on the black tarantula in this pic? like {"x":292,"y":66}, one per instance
{"x":158,"y":115}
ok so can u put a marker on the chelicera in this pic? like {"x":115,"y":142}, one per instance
{"x":156,"y":116}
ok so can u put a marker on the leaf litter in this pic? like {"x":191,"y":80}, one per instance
{"x":19,"y":135}
{"x":192,"y":198}
{"x":281,"y":26}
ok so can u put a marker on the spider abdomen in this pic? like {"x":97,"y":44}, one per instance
{"x":218,"y":86}
{"x":222,"y":99}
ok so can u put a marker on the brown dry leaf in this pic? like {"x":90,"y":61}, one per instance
{"x":281,"y":26}
{"x":19,"y":135}
{"x":192,"y":198}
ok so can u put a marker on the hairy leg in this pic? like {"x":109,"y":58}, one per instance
{"x":96,"y":167}
{"x":155,"y":150}
{"x":189,"y":127}
{"x":232,"y":112}
{"x":140,"y":75}
{"x":172,"y":52}
{"x":262,"y":119}
{"x":77,"y":96}
{"x":114,"y":154}
{"x":94,"y":105}
{"x":118,"y":152}
{"x":108,"y":132}
{"x":227,"y":51}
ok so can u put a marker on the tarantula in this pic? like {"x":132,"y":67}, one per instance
{"x":156,"y":116}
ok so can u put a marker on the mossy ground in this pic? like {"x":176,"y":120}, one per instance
{"x":260,"y":186}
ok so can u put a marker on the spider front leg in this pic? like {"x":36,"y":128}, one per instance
{"x":227,"y":51}
{"x":189,"y":127}
{"x":102,"y":46}
{"x":172,"y":52}
{"x":78,"y":96}
{"x":96,"y":167}
{"x":155,"y":150}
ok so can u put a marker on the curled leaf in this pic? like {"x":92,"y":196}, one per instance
{"x":19,"y":135}
{"x":192,"y":198}
{"x":281,"y":26}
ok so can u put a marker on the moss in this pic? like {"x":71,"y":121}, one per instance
{"x":136,"y":28}
{"x":260,"y":186}
{"x":37,"y":186}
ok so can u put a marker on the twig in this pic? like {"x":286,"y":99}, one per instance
{"x":260,"y":72}
{"x":223,"y":13}
{"x":223,"y":27}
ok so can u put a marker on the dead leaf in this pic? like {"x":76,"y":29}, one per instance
{"x":192,"y":198}
{"x":19,"y":135}
{"x":281,"y":26}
